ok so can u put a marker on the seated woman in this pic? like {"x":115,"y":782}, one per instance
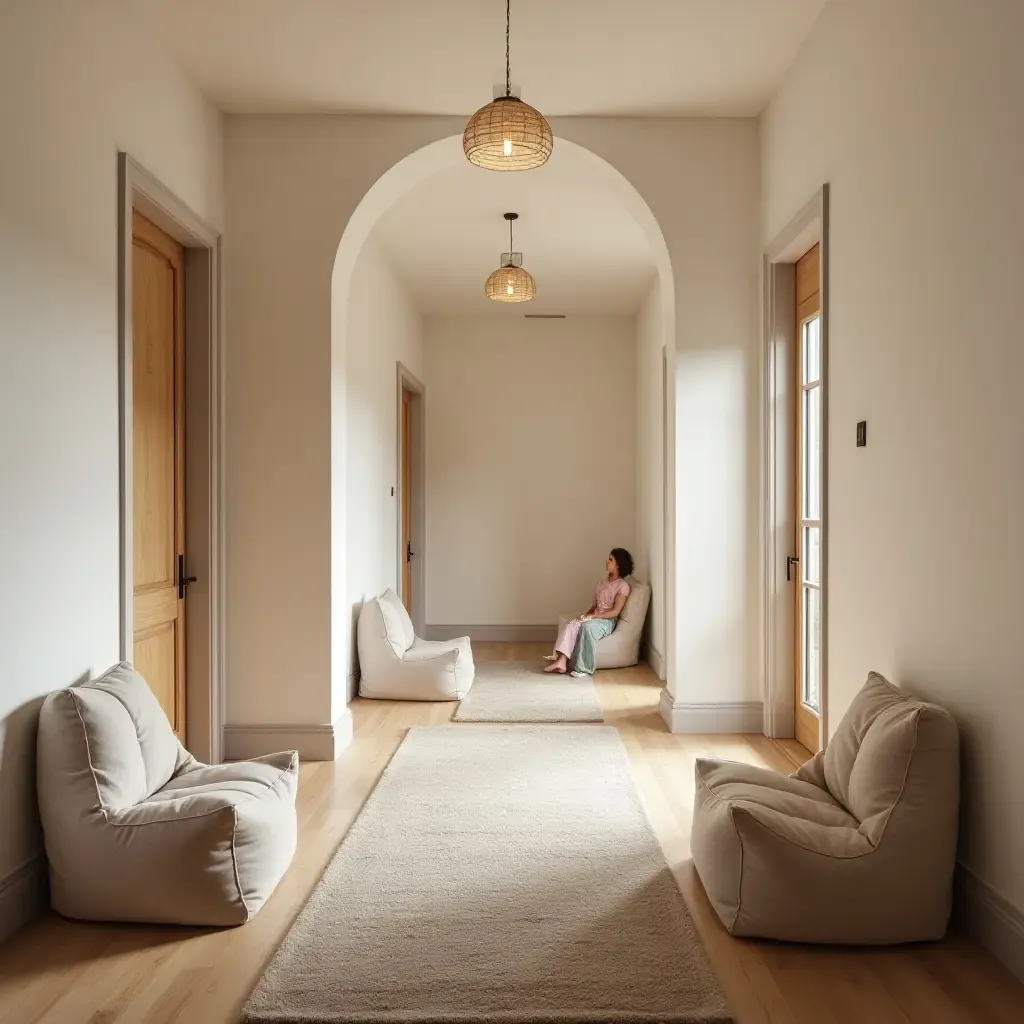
{"x":577,"y":644}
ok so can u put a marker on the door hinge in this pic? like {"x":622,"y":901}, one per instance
{"x":409,"y":553}
{"x":183,"y":580}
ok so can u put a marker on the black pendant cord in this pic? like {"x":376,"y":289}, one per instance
{"x":508,"y":32}
{"x":510,"y":238}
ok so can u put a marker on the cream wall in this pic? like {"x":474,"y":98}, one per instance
{"x":59,"y":602}
{"x":913,"y":112}
{"x":293,"y":184}
{"x":385,"y":328}
{"x":650,"y":466}
{"x":531,"y":463}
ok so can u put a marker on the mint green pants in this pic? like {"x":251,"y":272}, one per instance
{"x":584,"y":657}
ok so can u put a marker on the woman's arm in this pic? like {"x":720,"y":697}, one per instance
{"x":613,"y":613}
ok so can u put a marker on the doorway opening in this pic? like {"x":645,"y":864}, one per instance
{"x":411,"y":496}
{"x":796,"y":425}
{"x":171,"y":504}
{"x":391,"y":185}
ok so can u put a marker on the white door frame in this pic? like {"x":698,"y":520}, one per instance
{"x":407,"y":381}
{"x":808,"y":227}
{"x":204,"y":489}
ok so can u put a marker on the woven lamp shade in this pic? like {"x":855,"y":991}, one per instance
{"x":507,"y":135}
{"x":511,"y":284}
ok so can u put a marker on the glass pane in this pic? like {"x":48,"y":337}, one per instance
{"x":812,"y":555}
{"x":812,"y":453}
{"x":812,"y":350}
{"x":812,"y":648}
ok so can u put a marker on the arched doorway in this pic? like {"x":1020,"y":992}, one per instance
{"x":405,"y":175}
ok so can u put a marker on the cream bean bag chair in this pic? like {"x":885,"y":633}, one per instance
{"x":137,"y":830}
{"x":621,"y":648}
{"x":395,"y":665}
{"x":858,"y":846}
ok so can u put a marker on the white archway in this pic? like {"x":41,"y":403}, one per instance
{"x":403,"y":176}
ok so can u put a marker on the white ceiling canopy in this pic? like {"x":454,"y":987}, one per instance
{"x":587,"y":253}
{"x":599,"y":57}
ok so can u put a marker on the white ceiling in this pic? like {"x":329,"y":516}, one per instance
{"x":587,"y":253}
{"x":644,"y":57}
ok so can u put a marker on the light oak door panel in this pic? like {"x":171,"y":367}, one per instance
{"x":156,"y":657}
{"x":158,"y":464}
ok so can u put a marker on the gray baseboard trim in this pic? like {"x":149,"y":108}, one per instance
{"x":724,"y":717}
{"x":654,"y":658}
{"x":989,"y":919}
{"x":24,"y":896}
{"x":494,"y":634}
{"x":313,"y":742}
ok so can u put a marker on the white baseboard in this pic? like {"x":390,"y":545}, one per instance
{"x":724,"y":717}
{"x":313,"y":742}
{"x":494,"y":634}
{"x":24,"y":896}
{"x":989,"y":919}
{"x":654,"y":658}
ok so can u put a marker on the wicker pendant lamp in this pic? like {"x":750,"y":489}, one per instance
{"x":511,"y":282}
{"x":507,"y":134}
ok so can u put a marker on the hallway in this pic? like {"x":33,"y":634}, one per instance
{"x":62,"y":972}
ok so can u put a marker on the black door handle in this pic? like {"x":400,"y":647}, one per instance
{"x":790,"y":562}
{"x":409,"y":553}
{"x":183,"y":580}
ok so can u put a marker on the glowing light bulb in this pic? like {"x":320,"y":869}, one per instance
{"x":510,"y":288}
{"x":508,"y":147}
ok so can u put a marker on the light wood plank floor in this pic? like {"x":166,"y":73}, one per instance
{"x":65,"y":972}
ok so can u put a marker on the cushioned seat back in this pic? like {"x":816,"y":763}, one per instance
{"x":634,"y":612}
{"x":105,"y":742}
{"x":892,"y":754}
{"x":397,"y":624}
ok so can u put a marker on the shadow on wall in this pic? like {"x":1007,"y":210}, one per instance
{"x":18,"y":776}
{"x":23,"y":886}
{"x":23,"y":891}
{"x":352,"y":683}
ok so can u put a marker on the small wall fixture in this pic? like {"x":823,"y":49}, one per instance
{"x":507,"y":134}
{"x":511,"y":282}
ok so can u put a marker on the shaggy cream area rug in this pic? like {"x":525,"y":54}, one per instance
{"x":518,"y":692}
{"x":500,"y":873}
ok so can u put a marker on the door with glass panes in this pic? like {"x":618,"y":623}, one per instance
{"x":805,"y":564}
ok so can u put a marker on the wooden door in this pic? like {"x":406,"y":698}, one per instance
{"x":809,"y":463}
{"x":158,"y":465}
{"x":406,"y":500}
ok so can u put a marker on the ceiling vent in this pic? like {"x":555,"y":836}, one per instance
{"x":544,"y":316}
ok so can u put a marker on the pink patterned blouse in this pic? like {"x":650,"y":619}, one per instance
{"x":607,"y":593}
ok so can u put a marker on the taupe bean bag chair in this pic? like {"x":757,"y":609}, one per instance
{"x":394,"y":664}
{"x":621,"y":648}
{"x":137,"y":829}
{"x":858,"y":846}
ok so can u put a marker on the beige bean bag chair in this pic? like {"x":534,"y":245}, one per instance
{"x":621,"y":648}
{"x":858,"y":846}
{"x":394,"y":664}
{"x":137,"y":830}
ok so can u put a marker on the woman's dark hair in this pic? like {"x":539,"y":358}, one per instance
{"x":624,"y":560}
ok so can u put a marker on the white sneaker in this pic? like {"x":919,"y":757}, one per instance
{"x":578,"y":675}
{"x":551,"y":657}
